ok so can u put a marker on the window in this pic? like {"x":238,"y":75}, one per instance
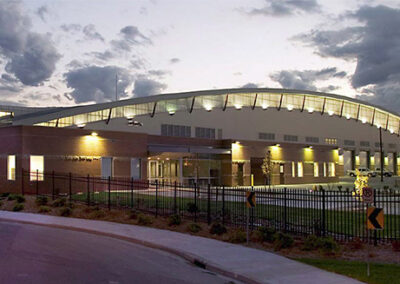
{"x":37,"y":167}
{"x":300,"y":169}
{"x":331,"y":169}
{"x":364,"y":143}
{"x":324,"y":169}
{"x":331,"y":141}
{"x":201,"y":132}
{"x":316,"y":169}
{"x":106,"y":167}
{"x":266,"y":136}
{"x":11,"y":167}
{"x":312,"y":139}
{"x":176,"y":130}
{"x":219,"y":133}
{"x":391,"y":145}
{"x":349,"y":143}
{"x":293,"y":170}
{"x":290,"y":138}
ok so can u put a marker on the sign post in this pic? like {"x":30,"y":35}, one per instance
{"x":250,"y":203}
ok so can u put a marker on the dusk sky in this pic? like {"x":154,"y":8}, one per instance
{"x":60,"y":53}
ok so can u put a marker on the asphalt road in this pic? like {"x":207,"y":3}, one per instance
{"x":37,"y":254}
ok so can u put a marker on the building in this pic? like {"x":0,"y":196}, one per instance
{"x":215,"y":136}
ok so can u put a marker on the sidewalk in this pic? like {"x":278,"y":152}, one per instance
{"x":235,"y":261}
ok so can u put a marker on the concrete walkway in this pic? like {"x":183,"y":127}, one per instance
{"x":235,"y":261}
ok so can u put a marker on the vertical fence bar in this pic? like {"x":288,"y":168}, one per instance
{"x":223,"y":205}
{"x":70,"y":186}
{"x":53,"y":185}
{"x":375,"y":233}
{"x":323,"y":213}
{"x":37,"y":182}
{"x":109,"y":192}
{"x":156,"y":198}
{"x":22,"y":181}
{"x":209,"y":204}
{"x":88,"y":190}
{"x":132,"y":192}
{"x":175,"y":208}
{"x":195,"y":202}
{"x":284,"y":210}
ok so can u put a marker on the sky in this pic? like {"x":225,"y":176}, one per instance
{"x":62,"y":53}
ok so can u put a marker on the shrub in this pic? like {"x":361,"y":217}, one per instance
{"x":193,"y":228}
{"x":1,"y":203}
{"x":18,"y":207}
{"x":327,"y":245}
{"x":191,"y":207}
{"x":65,"y":211}
{"x":60,"y":202}
{"x":282,"y":240}
{"x":4,"y":194}
{"x":266,"y":234}
{"x":41,"y":200}
{"x":144,"y":219}
{"x":174,"y":220}
{"x":237,"y":236}
{"x":217,"y":229}
{"x":44,"y":209}
{"x":396,"y":245}
{"x":70,"y":205}
{"x":19,"y":198}
{"x":98,"y":214}
{"x":310,"y":243}
{"x":133,"y":214}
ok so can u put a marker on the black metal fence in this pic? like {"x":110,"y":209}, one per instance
{"x":335,"y":213}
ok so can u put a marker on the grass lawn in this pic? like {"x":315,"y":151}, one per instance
{"x":380,"y":273}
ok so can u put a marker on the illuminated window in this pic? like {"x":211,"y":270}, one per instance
{"x":293,"y":170}
{"x":11,"y":167}
{"x":324,"y":169}
{"x":37,"y":167}
{"x":331,"y":141}
{"x":316,"y":169}
{"x":300,"y":169}
{"x":331,"y":169}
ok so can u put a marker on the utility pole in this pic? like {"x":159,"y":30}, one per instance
{"x":116,"y":87}
{"x":381,"y":148}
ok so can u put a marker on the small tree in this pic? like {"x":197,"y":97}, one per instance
{"x":268,"y":167}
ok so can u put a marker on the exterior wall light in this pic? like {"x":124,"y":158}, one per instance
{"x":363,"y":120}
{"x":238,"y":107}
{"x":171,"y":112}
{"x":94,"y":134}
{"x":290,"y":107}
{"x":391,"y":131}
{"x":81,"y":125}
{"x":277,"y":145}
{"x":310,"y":110}
{"x":348,"y":116}
{"x":330,"y":112}
{"x":378,"y":126}
{"x":310,"y":147}
{"x":208,"y":108}
{"x":264,"y":106}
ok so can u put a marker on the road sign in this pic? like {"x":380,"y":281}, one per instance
{"x":250,"y":199}
{"x":368,"y":195}
{"x":374,"y":218}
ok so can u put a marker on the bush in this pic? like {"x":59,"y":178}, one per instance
{"x":65,"y":211}
{"x":18,"y":207}
{"x":97,"y":214}
{"x":60,"y":202}
{"x":70,"y":205}
{"x":310,"y":243}
{"x":191,"y":207}
{"x":144,"y":219}
{"x":44,"y":209}
{"x":282,"y":240}
{"x":396,"y":245}
{"x":4,"y":194}
{"x":327,"y":245}
{"x":217,"y":229}
{"x":133,"y":214}
{"x":193,"y":228}
{"x":237,"y":236}
{"x":41,"y":200}
{"x":1,"y":203}
{"x":174,"y":220}
{"x":266,"y":234}
{"x":19,"y":198}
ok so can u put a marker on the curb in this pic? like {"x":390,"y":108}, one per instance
{"x":198,"y":261}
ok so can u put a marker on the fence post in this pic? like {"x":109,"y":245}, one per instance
{"x":284,"y":210}
{"x":223,"y":205}
{"x":375,"y":235}
{"x":88,"y":190}
{"x":131,"y":192}
{"x":195,"y":202}
{"x":175,"y":208}
{"x":22,"y":181}
{"x":156,"y":197}
{"x":53,"y":185}
{"x":209,"y":204}
{"x":37,"y":182}
{"x":109,"y":192}
{"x":70,"y":187}
{"x":323,"y":212}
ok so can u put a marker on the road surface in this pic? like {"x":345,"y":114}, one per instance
{"x":37,"y":254}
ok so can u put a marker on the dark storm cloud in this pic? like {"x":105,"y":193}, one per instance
{"x":286,"y":7}
{"x":304,"y":80}
{"x":91,"y":34}
{"x":375,"y":45}
{"x":30,"y":56}
{"x":94,"y":83}
{"x":41,"y":12}
{"x":250,"y":85}
{"x":146,"y":87}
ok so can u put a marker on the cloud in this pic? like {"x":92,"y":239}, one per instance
{"x":71,"y":28}
{"x":174,"y":60}
{"x":286,"y":8}
{"x":41,"y":12}
{"x":146,"y":87}
{"x":91,"y":34}
{"x":305,"y":80}
{"x":159,"y":73}
{"x":250,"y":85}
{"x":131,"y":36}
{"x":374,"y":45}
{"x":30,"y":56}
{"x":95,"y":83}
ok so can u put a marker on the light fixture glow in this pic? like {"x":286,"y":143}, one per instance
{"x":238,"y":107}
{"x":277,"y":145}
{"x":391,"y":131}
{"x":171,"y":112}
{"x":289,"y":107}
{"x":81,"y":125}
{"x":208,"y":107}
{"x":348,"y":116}
{"x":378,"y":126}
{"x":330,"y":112}
{"x":94,"y":134}
{"x":363,"y":120}
{"x":264,"y":106}
{"x":310,"y":110}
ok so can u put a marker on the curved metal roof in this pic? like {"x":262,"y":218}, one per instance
{"x":57,"y":113}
